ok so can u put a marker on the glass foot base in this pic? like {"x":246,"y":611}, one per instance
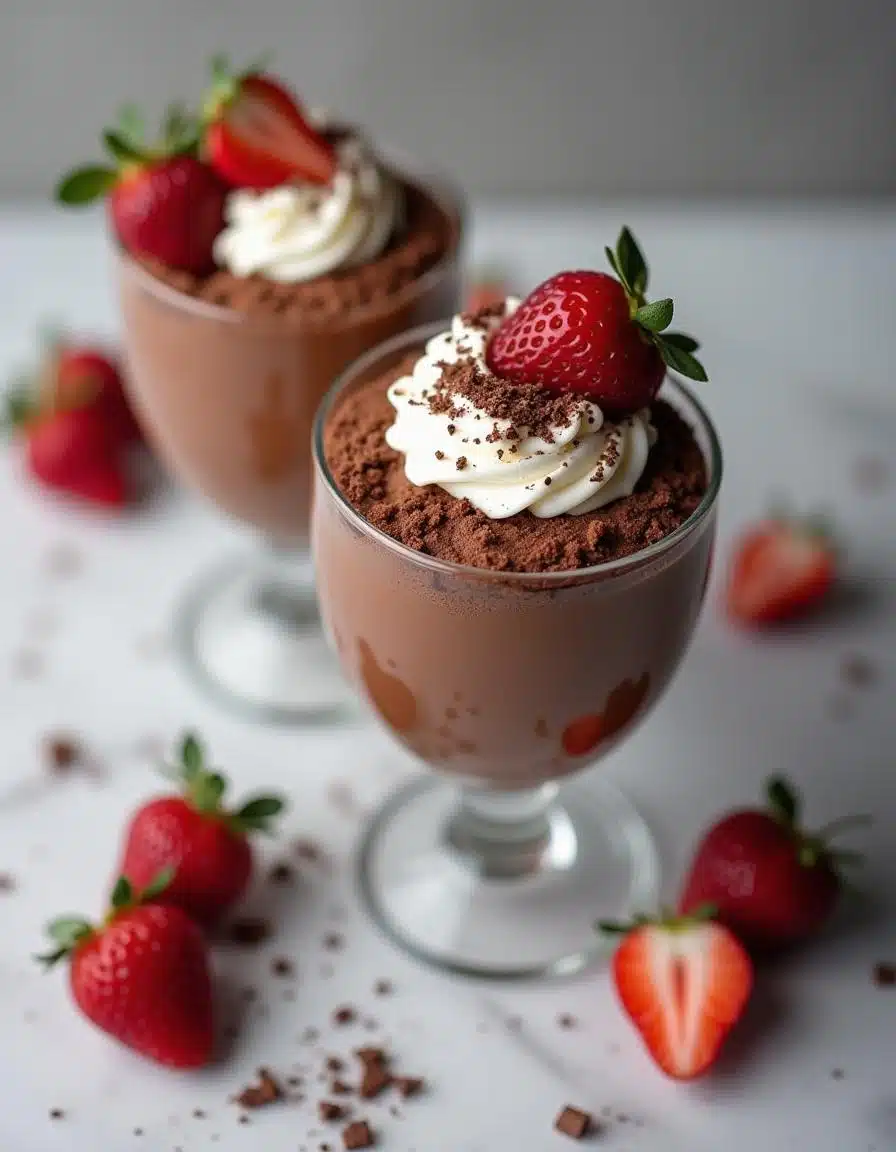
{"x":254,"y":641}
{"x":518,"y":907}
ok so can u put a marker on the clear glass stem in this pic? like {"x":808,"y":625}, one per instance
{"x":281,"y":595}
{"x":502,"y":835}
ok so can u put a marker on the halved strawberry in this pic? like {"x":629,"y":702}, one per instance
{"x":684,"y":982}
{"x":781,"y":568}
{"x":255,"y":133}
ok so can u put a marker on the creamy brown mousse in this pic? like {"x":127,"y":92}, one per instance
{"x":503,"y":670}
{"x":227,"y":372}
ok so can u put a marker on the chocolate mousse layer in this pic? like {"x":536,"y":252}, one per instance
{"x":424,"y":239}
{"x":227,"y":394}
{"x":430,"y":520}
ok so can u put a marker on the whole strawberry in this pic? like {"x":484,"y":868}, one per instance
{"x":141,"y":976}
{"x":164,"y":203}
{"x":82,"y":374}
{"x":773,"y":884}
{"x":684,"y":981}
{"x":204,"y":845}
{"x":591,"y":333}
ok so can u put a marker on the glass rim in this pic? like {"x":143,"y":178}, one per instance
{"x":443,"y":190}
{"x":420,"y":335}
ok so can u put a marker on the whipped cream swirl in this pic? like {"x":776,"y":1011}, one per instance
{"x":299,"y":231}
{"x":502,"y":468}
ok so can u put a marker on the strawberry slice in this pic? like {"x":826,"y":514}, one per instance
{"x":781,"y":569}
{"x":684,"y":982}
{"x":255,"y":133}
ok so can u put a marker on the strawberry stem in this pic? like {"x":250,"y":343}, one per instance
{"x":675,"y":348}
{"x":205,"y":791}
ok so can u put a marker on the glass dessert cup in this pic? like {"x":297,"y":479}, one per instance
{"x":227,"y":399}
{"x":505,"y":684}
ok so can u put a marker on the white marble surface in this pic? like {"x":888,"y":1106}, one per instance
{"x":794,"y":308}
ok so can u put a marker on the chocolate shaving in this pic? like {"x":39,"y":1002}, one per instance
{"x":573,"y":1122}
{"x":250,"y":931}
{"x":266,"y":1091}
{"x":357,"y":1135}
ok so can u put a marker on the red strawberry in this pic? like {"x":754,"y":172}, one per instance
{"x":87,"y":375}
{"x":74,"y":451}
{"x":206,"y":846}
{"x":684,"y":982}
{"x":164,"y":203}
{"x":142,"y":976}
{"x":780,"y":569}
{"x":770,"y":882}
{"x":256,"y":135}
{"x":587,"y":332}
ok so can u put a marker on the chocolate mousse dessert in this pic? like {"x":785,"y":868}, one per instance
{"x":260,"y":251}
{"x":514,"y":524}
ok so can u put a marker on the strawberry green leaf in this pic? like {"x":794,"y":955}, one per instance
{"x":122,"y":893}
{"x":680,"y":361}
{"x":206,"y":791}
{"x":256,"y":814}
{"x":158,"y":884}
{"x":656,"y":316}
{"x":68,"y":930}
{"x":614,"y":264}
{"x":85,"y":184}
{"x":632,"y":264}
{"x":131,"y":124}
{"x":48,"y":959}
{"x":191,"y":756}
{"x":180,"y":131}
{"x":681,"y":341}
{"x":782,"y":800}
{"x":221,"y":70}
{"x":120,"y":148}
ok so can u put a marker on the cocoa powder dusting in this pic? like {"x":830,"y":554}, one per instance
{"x":371,"y":477}
{"x":427,"y":236}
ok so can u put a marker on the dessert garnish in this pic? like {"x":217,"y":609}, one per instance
{"x":684,"y":981}
{"x":163,"y":201}
{"x":770,"y":881}
{"x":590,"y":333}
{"x":205,"y":844}
{"x":141,"y":975}
{"x":781,"y":568}
{"x":255,"y":135}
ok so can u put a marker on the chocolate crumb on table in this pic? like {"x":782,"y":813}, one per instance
{"x":574,"y":1122}
{"x":283,"y":967}
{"x":371,"y":1056}
{"x":357,"y":1135}
{"x":63,"y":753}
{"x":409,"y":1086}
{"x":566,"y":1021}
{"x":307,"y":850}
{"x":266,"y":1091}
{"x":383,"y":988}
{"x":330,"y":1112}
{"x":334,"y":1064}
{"x":345,"y":1015}
{"x":7,"y":883}
{"x":340,"y":1088}
{"x":281,"y":873}
{"x":250,"y":931}
{"x":57,"y":1113}
{"x":375,"y":1080}
{"x":884,"y":974}
{"x":333,"y":941}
